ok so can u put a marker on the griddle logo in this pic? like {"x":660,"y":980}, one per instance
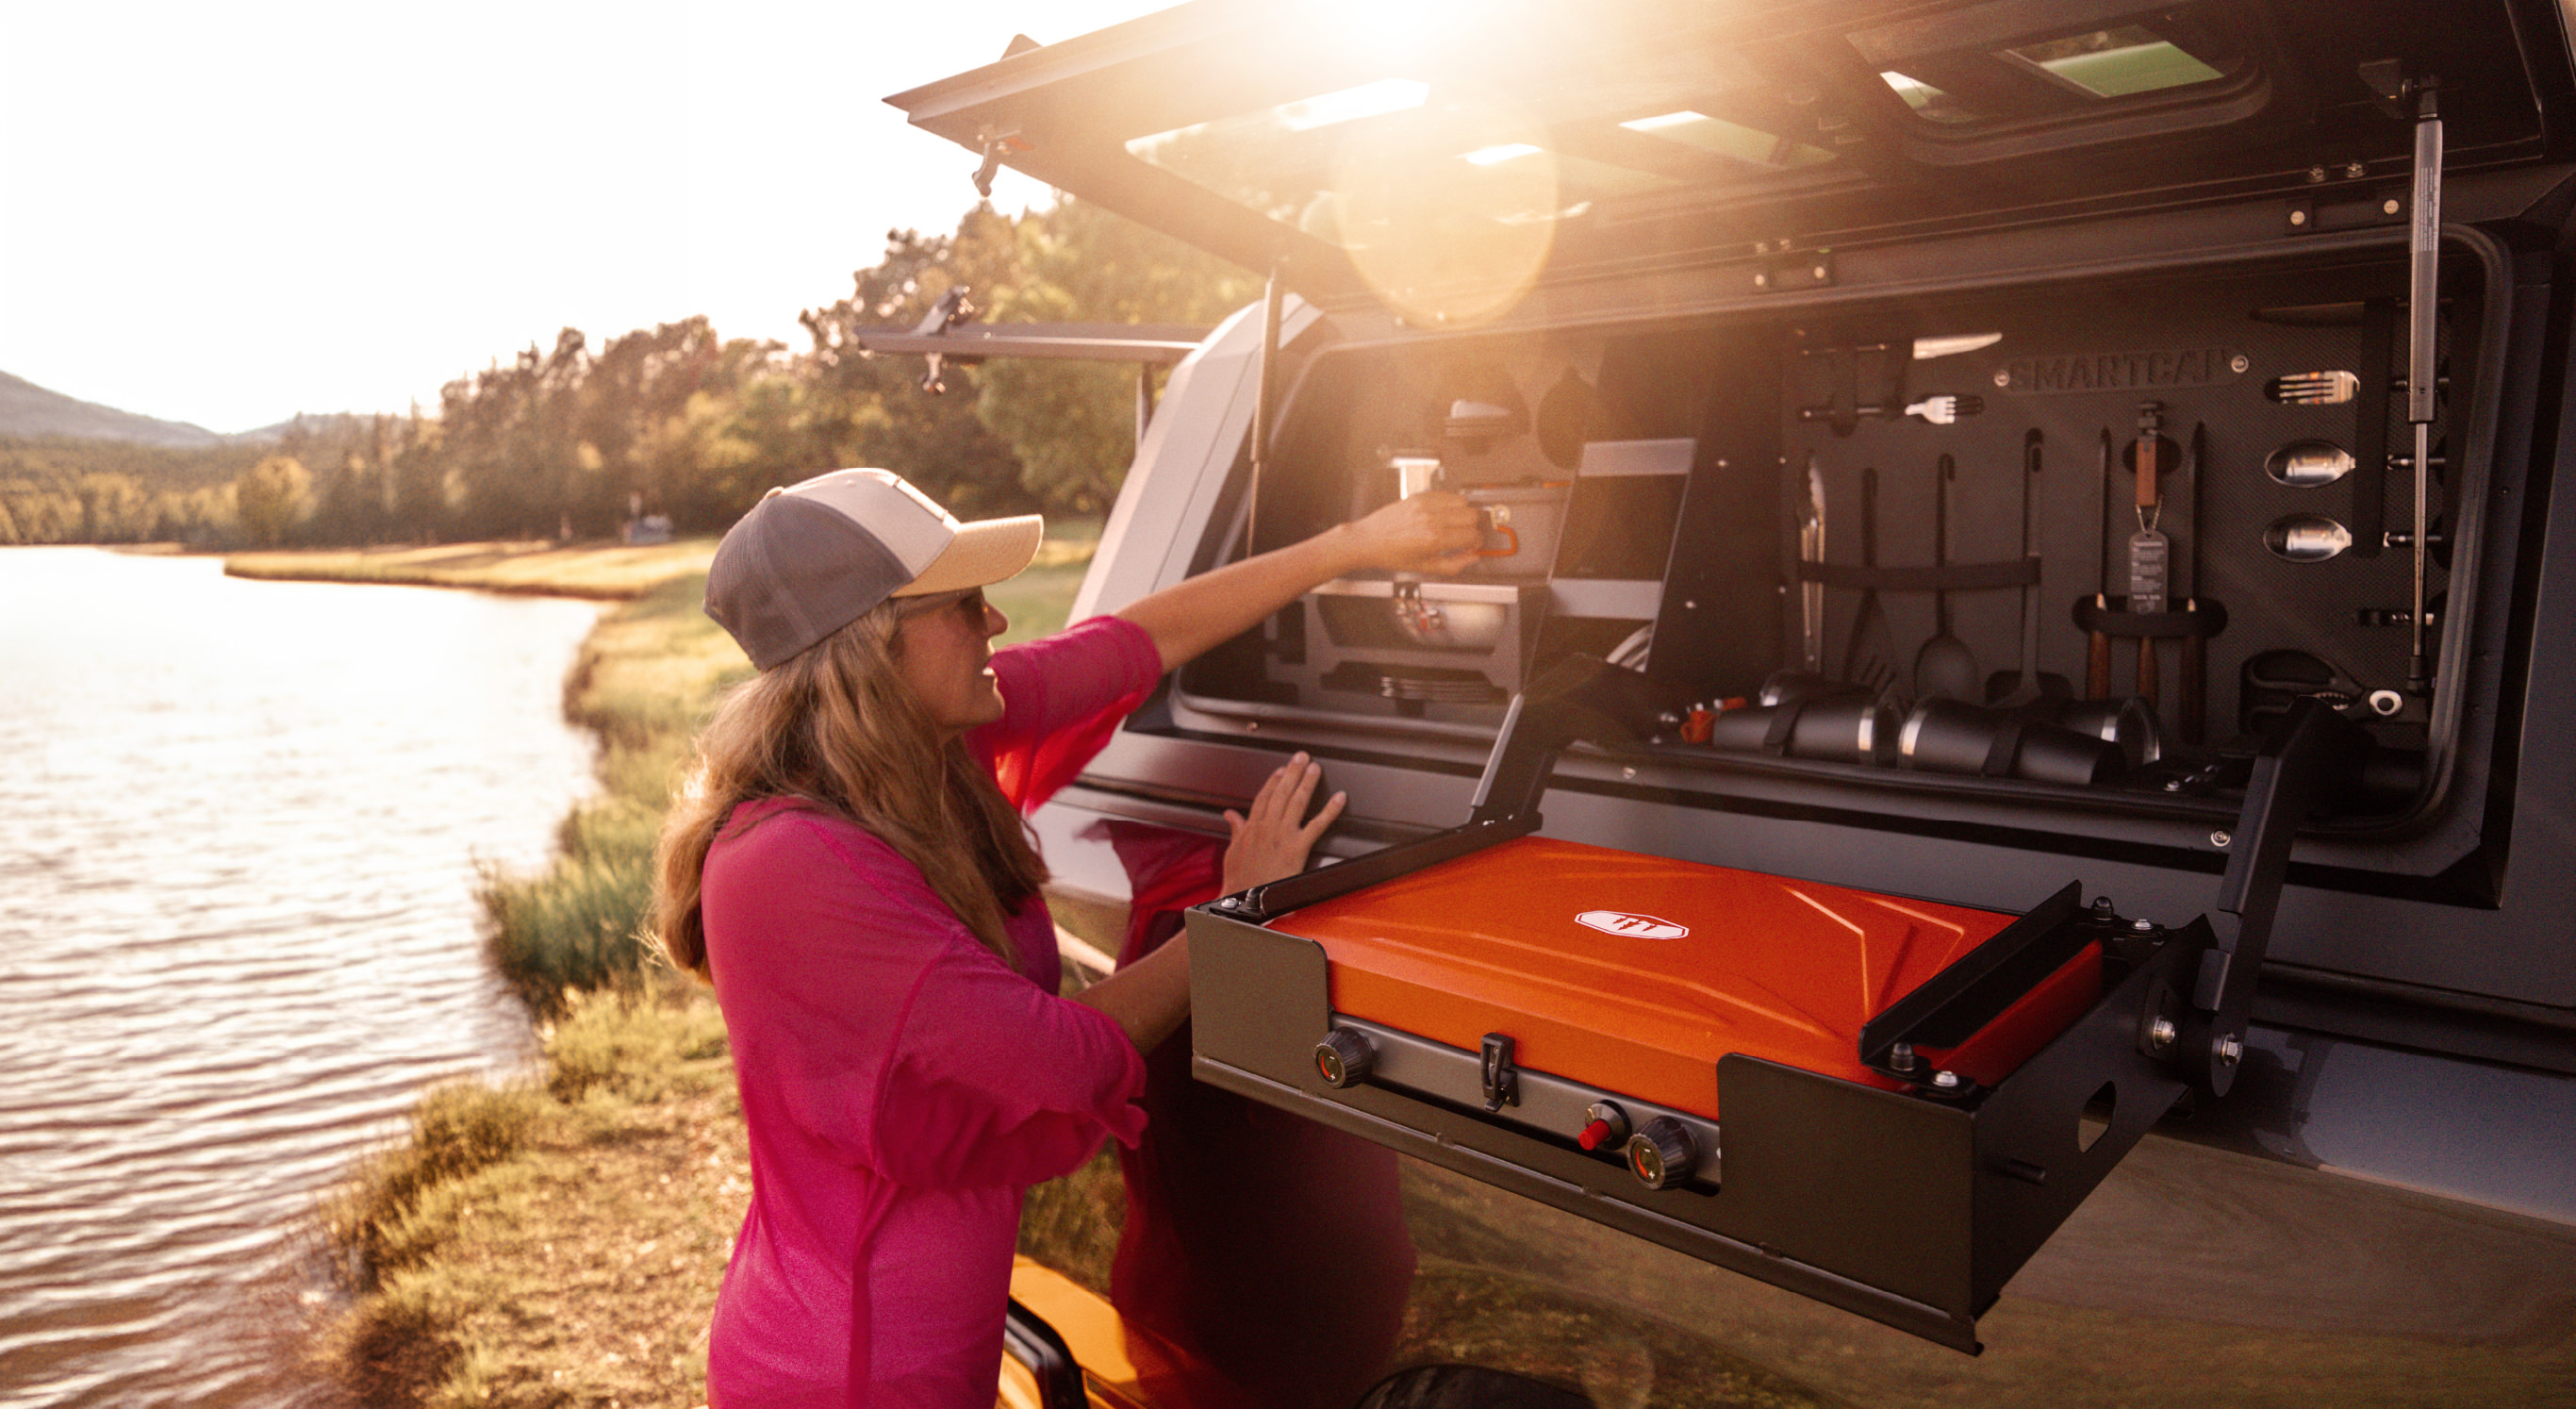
{"x":1624,"y":923}
{"x":2122,"y":371}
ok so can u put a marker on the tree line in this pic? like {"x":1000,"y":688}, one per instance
{"x":576,"y":441}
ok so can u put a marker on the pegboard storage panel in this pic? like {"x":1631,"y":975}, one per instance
{"x":2064,"y":384}
{"x":1773,"y":520}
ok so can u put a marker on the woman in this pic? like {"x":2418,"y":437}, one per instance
{"x":849,"y":868}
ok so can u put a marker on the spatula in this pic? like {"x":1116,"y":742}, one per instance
{"x":1869,"y":659}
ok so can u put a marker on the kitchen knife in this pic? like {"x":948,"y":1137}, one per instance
{"x":1925,"y":349}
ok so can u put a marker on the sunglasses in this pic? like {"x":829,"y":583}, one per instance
{"x":968,"y":604}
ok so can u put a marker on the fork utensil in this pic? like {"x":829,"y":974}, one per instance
{"x":2313,"y":388}
{"x":1939,"y":410}
{"x":1942,"y":410}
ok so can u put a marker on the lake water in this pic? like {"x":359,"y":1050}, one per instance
{"x":239,"y":830}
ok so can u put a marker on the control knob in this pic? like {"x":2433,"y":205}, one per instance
{"x":1662,"y":1154}
{"x":1344,"y":1058}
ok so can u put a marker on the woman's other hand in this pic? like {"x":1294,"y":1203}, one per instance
{"x":1269,"y":842}
{"x":1436,"y":532}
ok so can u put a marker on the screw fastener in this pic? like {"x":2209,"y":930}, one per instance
{"x":1901,"y":1056}
{"x":2161,"y":1035}
{"x":1946,"y":1080}
{"x":2230,"y":1049}
{"x":2221,"y":840}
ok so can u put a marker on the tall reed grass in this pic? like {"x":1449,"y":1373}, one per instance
{"x":645,"y":678}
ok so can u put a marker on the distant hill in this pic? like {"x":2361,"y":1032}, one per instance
{"x":311,"y":423}
{"x":29,"y":410}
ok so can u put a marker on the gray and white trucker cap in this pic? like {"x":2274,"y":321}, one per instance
{"x":813,"y":557}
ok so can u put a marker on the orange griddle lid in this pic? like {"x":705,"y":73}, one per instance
{"x":1633,"y":973}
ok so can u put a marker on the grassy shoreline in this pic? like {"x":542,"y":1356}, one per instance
{"x":559,"y":1240}
{"x":598,"y":571}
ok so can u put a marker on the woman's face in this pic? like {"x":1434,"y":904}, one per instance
{"x":942,"y":652}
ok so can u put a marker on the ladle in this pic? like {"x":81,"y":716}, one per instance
{"x":1944,"y":668}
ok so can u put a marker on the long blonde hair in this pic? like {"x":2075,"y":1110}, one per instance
{"x":835,"y":728}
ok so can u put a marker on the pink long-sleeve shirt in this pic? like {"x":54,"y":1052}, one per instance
{"x":901,"y":1084}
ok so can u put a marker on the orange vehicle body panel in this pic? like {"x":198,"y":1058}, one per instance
{"x":1635,"y":973}
{"x":1124,"y":1365}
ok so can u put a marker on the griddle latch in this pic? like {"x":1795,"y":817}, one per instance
{"x":1502,"y":1079}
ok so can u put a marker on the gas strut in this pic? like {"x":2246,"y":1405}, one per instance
{"x":2423,"y":258}
{"x":2394,"y":86}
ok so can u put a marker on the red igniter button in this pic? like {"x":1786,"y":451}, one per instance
{"x":1607,"y":1125}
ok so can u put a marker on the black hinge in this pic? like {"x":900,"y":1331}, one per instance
{"x":1502,"y":1079}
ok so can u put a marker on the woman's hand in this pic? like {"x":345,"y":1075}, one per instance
{"x":1435,"y":532}
{"x":1269,"y":843}
{"x":1430,"y":533}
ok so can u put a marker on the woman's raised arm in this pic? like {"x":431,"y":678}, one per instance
{"x":1434,"y":533}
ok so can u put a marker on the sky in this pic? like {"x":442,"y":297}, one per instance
{"x":231,"y":214}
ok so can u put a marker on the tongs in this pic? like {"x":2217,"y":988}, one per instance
{"x":1811,"y":550}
